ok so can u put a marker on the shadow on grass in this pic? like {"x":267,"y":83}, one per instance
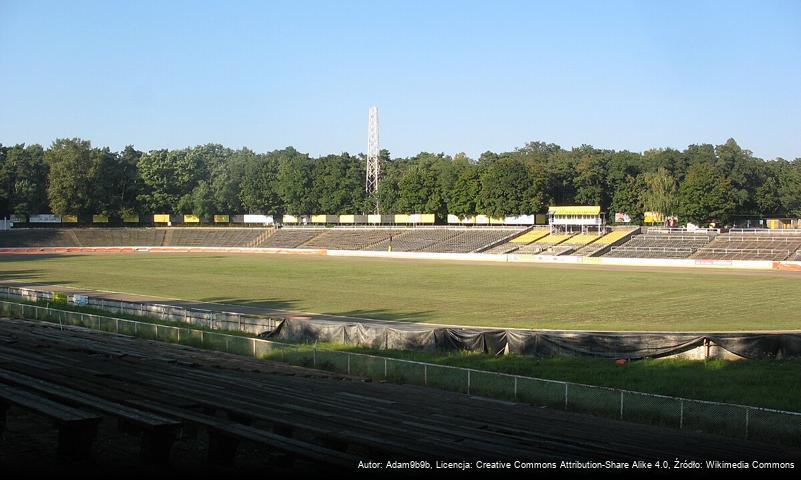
{"x":294,"y":306}
{"x":263,"y":304}
{"x":384,"y":314}
{"x":30,"y":257}
{"x":26,"y":278}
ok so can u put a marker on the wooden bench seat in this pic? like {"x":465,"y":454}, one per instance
{"x":76,"y":429}
{"x":158,"y":433}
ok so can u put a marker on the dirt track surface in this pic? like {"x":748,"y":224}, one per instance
{"x":416,"y":420}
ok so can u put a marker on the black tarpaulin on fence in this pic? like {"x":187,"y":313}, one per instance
{"x":536,"y":343}
{"x":759,"y":345}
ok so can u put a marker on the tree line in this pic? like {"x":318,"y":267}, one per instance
{"x":701,"y":183}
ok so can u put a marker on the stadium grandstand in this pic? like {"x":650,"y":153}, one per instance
{"x":573,"y":230}
{"x":604,"y":243}
{"x":663,"y":243}
{"x":752,"y":245}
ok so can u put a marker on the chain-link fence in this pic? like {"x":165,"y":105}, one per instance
{"x":768,"y":425}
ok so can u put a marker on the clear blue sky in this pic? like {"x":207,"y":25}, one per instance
{"x":446,"y":76}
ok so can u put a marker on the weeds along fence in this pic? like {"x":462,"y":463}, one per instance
{"x":753,"y":423}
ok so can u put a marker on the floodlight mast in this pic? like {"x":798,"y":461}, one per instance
{"x":373,"y":164}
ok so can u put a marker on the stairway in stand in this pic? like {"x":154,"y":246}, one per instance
{"x":261,"y":238}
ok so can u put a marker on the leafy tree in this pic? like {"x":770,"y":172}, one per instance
{"x":128,"y":184}
{"x":169,"y":177}
{"x":507,"y":188}
{"x":590,"y":180}
{"x":418,"y":192}
{"x":23,"y":180}
{"x":660,"y":194}
{"x":560,"y":172}
{"x":768,"y":197}
{"x":628,"y":199}
{"x":789,"y":180}
{"x":259,"y":185}
{"x":74,"y":181}
{"x":294,"y":181}
{"x":463,"y":199}
{"x":338,"y":184}
{"x":705,"y":196}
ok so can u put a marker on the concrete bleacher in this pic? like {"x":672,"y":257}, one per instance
{"x":291,"y":237}
{"x":127,"y":237}
{"x":621,"y":242}
{"x":471,"y":240}
{"x":752,"y":245}
{"x":414,"y":240}
{"x":344,"y":238}
{"x":598,"y":246}
{"x":37,"y":238}
{"x":223,"y":237}
{"x":548,"y":244}
{"x":518,"y":241}
{"x":572,"y":244}
{"x":662,"y":243}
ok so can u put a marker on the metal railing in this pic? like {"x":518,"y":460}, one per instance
{"x":753,"y":423}
{"x":767,"y":231}
{"x":745,"y":251}
{"x":687,"y":250}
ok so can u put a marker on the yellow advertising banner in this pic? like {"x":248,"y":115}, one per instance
{"x":221,"y":219}
{"x":161,"y":218}
{"x":653,"y":217}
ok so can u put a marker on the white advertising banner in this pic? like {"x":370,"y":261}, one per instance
{"x":45,"y":218}
{"x":258,"y":219}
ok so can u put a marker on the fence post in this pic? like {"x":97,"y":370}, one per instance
{"x":348,"y":363}
{"x":385,"y":367}
{"x":468,"y":382}
{"x":747,"y":411}
{"x":425,"y":375}
{"x":681,"y":415}
{"x":314,"y":357}
{"x":621,"y":405}
{"x":515,"y":397}
{"x":565,"y":396}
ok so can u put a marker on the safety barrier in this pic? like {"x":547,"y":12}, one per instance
{"x":481,"y":257}
{"x":197,"y":317}
{"x":751,"y":423}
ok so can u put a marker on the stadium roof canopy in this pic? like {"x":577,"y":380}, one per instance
{"x":575,"y":210}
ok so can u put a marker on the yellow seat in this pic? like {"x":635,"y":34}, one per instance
{"x":530,"y":236}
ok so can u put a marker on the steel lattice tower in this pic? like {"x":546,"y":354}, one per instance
{"x":373,"y":164}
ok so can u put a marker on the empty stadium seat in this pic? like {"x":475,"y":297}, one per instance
{"x":658,"y":243}
{"x":770,"y":245}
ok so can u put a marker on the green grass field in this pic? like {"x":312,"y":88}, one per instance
{"x":501,"y":295}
